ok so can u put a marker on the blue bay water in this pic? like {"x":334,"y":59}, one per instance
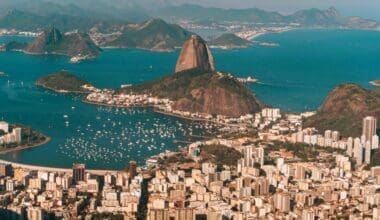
{"x":295,"y":76}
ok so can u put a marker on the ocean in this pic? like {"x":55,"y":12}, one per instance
{"x":295,"y":74}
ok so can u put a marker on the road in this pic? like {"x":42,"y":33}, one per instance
{"x":56,"y":169}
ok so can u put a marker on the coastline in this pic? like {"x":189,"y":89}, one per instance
{"x":55,"y":169}
{"x":20,"y":148}
{"x":114,"y":105}
{"x":154,"y":108}
{"x":375,"y":83}
{"x":61,"y":91}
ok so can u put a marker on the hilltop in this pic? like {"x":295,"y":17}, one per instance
{"x":63,"y":82}
{"x":197,"y":88}
{"x":28,"y":21}
{"x":230,"y":41}
{"x":195,"y":54}
{"x":52,"y":41}
{"x":344,"y":108}
{"x":154,"y":34}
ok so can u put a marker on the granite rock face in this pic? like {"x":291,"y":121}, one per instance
{"x":196,"y":87}
{"x":195,"y":54}
{"x":52,"y":41}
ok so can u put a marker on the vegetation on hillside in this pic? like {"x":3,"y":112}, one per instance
{"x":54,"y":42}
{"x":29,"y":137}
{"x":344,"y":109}
{"x":304,"y":152}
{"x":230,"y":40}
{"x":220,"y":155}
{"x":63,"y":81}
{"x":205,"y":92}
{"x":154,"y":34}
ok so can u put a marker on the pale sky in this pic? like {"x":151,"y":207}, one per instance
{"x":364,"y":8}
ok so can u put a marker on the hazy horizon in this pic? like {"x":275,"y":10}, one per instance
{"x":346,"y":7}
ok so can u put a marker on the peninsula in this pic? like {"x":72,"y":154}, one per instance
{"x":65,"y":82}
{"x":15,"y":137}
{"x":196,"y":86}
{"x":195,"y":91}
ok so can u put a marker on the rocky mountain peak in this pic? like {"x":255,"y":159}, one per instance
{"x":195,"y":54}
{"x":52,"y":36}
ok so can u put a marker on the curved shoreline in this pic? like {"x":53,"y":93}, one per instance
{"x":20,"y":148}
{"x":55,"y":169}
{"x":115,"y":105}
{"x":375,"y":83}
{"x":155,"y":109}
{"x":60,"y":91}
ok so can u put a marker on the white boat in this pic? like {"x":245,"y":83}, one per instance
{"x":249,"y":79}
{"x":125,"y":85}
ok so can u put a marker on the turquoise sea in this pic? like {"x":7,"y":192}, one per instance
{"x":296,"y":75}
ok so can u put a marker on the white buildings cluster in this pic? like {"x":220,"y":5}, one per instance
{"x":255,"y":190}
{"x":37,"y":194}
{"x":14,"y":136}
{"x":109,"y":97}
{"x":358,"y":148}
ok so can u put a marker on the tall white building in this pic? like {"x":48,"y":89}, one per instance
{"x":375,"y":142}
{"x":335,"y":136}
{"x":369,"y":127}
{"x":358,"y":151}
{"x":4,"y":126}
{"x":17,"y":134}
{"x":350,"y":146}
{"x":368,"y":148}
{"x":252,"y":155}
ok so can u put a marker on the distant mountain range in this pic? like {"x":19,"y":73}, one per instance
{"x":108,"y":30}
{"x":154,"y":34}
{"x":67,"y":17}
{"x":310,"y":17}
{"x":26,"y":21}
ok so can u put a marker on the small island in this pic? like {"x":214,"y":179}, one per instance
{"x":375,"y":82}
{"x":229,"y":41}
{"x":77,"y":46}
{"x":15,"y":137}
{"x":65,"y":82}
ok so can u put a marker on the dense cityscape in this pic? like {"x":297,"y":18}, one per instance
{"x":267,"y":114}
{"x":261,"y":183}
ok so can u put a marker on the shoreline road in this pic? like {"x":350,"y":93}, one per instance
{"x":56,"y":169}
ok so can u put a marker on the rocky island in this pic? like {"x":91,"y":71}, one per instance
{"x":230,"y":41}
{"x":196,"y":87}
{"x":344,"y":108}
{"x":78,"y":46}
{"x":64,"y":82}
